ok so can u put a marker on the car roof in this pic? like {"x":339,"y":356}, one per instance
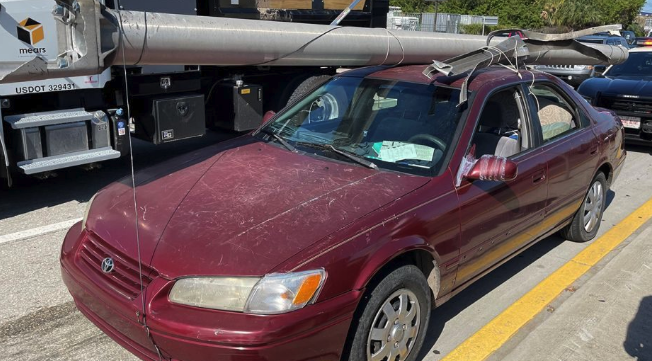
{"x":491,"y":76}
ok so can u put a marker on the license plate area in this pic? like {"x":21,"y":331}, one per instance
{"x":631,"y":122}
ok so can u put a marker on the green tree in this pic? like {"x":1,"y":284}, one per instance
{"x":511,"y":13}
{"x":535,"y":14}
{"x":571,"y":14}
{"x":414,"y":6}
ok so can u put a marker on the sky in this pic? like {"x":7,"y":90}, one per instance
{"x":648,"y":6}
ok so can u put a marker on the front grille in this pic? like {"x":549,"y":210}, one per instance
{"x":641,"y":106}
{"x":124,"y":278}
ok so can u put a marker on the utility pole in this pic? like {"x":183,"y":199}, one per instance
{"x":434,"y":29}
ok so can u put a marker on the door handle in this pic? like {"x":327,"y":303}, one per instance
{"x":539,"y":176}
{"x":594,"y":149}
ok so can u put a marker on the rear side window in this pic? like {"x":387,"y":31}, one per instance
{"x":555,"y":114}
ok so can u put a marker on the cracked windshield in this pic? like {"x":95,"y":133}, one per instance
{"x":394,"y":125}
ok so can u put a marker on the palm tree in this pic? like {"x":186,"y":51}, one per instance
{"x":574,"y":14}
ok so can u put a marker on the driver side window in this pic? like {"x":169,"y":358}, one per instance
{"x":501,"y":130}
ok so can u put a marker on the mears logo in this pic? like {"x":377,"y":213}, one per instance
{"x":30,"y":31}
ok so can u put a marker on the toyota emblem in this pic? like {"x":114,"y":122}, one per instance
{"x":107,"y":265}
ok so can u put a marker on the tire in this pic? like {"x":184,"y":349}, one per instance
{"x":586,"y":222}
{"x":306,"y":86}
{"x":381,"y":304}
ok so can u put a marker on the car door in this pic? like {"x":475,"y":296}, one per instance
{"x":498,"y":218}
{"x":570,"y":149}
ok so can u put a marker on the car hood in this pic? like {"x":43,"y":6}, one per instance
{"x":623,"y":85}
{"x":238,"y":210}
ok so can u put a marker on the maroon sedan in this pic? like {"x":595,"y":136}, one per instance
{"x":331,"y":232}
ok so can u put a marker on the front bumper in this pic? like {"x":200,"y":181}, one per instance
{"x":317,"y":332}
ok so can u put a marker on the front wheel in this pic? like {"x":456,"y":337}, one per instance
{"x":394,"y":318}
{"x":586,"y":221}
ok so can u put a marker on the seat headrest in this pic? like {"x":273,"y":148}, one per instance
{"x":500,"y":111}
{"x":492,"y":114}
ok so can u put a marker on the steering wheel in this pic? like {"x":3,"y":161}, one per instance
{"x":431,"y":138}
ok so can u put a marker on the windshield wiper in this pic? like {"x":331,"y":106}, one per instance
{"x":344,"y":153}
{"x":280,"y":139}
{"x":354,"y":158}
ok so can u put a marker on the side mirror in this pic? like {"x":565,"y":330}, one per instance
{"x":492,"y":168}
{"x":268,"y":115}
{"x":598,"y":70}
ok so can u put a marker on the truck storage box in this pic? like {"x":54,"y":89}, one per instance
{"x":28,"y":143}
{"x":239,"y":108}
{"x":65,"y":138}
{"x":173,"y":118}
{"x":141,"y":85}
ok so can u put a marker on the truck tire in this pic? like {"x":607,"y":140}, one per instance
{"x":398,"y":310}
{"x":306,"y":86}
{"x":586,"y":222}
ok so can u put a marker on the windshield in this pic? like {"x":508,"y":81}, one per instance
{"x":638,"y":64}
{"x":390,"y":124}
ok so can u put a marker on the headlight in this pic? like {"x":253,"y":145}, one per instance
{"x":279,"y":293}
{"x":88,"y":209}
{"x":583,"y":67}
{"x":272,"y":294}
{"x":222,"y":293}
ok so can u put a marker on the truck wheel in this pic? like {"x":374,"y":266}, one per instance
{"x":393,"y":319}
{"x":306,"y":86}
{"x":586,"y":221}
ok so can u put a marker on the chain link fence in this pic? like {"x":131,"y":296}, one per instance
{"x":435,"y":22}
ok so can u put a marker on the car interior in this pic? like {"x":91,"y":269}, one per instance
{"x":499,"y":130}
{"x":553,"y":112}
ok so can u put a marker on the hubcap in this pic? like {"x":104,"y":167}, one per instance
{"x":395,"y":327}
{"x":593,"y":206}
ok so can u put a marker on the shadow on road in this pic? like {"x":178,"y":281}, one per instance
{"x":483,"y":286}
{"x":638,"y":343}
{"x":610,"y":198}
{"x":79,"y":184}
{"x":638,"y":146}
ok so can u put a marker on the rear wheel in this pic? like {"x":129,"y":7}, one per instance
{"x":586,"y":221}
{"x":393,"y":319}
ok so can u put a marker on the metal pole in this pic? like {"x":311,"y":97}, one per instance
{"x":434,"y":29}
{"x":89,"y":41}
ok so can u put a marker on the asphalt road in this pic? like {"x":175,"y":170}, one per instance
{"x":38,"y":320}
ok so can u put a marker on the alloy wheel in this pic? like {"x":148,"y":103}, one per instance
{"x":593,"y":206}
{"x":395,"y":327}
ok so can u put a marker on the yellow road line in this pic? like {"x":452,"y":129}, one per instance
{"x":499,"y":330}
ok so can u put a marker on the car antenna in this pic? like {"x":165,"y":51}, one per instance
{"x":134,"y":193}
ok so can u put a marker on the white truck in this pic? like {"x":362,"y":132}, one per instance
{"x":39,"y":118}
{"x":67,"y":121}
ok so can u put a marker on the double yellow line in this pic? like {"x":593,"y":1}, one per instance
{"x":497,"y":332}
